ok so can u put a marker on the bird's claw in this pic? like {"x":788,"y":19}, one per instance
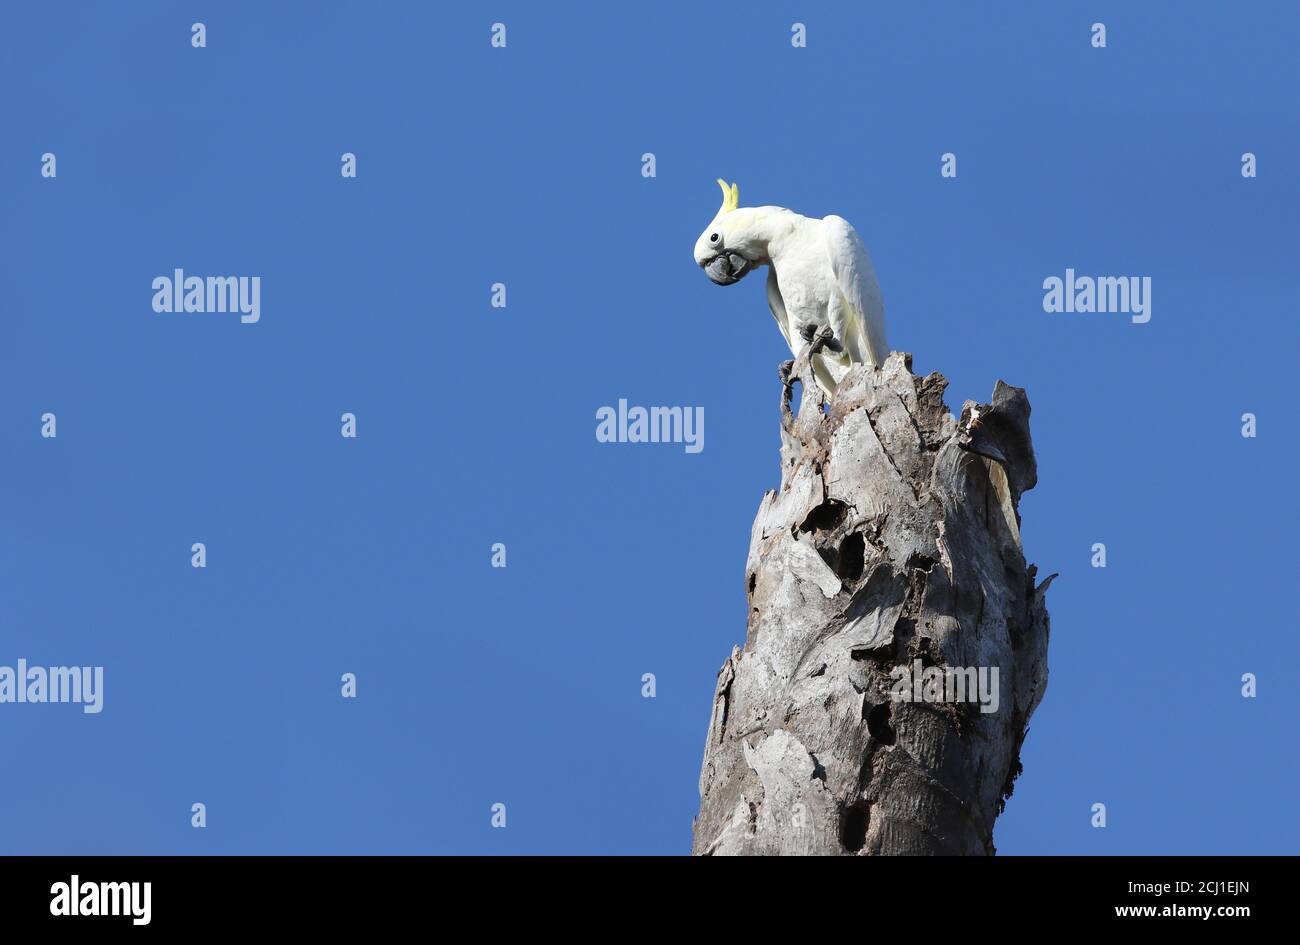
{"x":819,"y":339}
{"x":784,"y":370}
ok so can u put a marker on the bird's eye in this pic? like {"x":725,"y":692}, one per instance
{"x":713,"y":237}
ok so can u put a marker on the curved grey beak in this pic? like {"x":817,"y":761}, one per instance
{"x":727,"y":268}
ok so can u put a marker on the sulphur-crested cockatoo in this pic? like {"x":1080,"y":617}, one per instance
{"x":819,"y":275}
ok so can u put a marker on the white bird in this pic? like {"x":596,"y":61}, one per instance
{"x":820,"y":275}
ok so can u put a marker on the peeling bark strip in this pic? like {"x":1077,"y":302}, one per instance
{"x":894,"y":538}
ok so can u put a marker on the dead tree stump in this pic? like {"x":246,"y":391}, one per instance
{"x":892,"y":547}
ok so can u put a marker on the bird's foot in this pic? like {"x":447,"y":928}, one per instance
{"x":784,"y":370}
{"x":817,"y":340}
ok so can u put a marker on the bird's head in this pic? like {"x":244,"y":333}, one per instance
{"x":724,"y":249}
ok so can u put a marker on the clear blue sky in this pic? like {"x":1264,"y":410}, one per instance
{"x":476,"y":425}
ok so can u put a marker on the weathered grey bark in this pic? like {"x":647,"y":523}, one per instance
{"x":894,"y":538}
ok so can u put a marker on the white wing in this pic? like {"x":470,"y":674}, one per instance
{"x":860,"y":322}
{"x":777,"y":305}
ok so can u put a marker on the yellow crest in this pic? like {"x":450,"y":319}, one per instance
{"x":730,"y":197}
